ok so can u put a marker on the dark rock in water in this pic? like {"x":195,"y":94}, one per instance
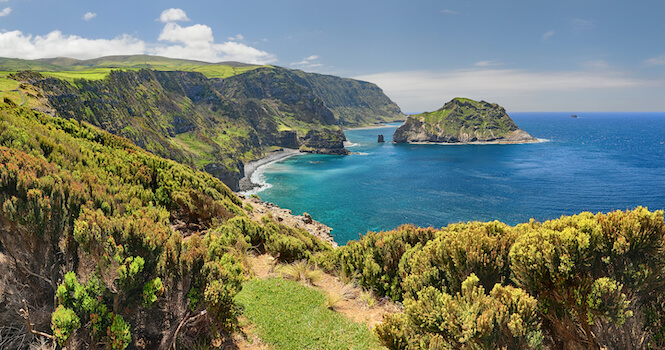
{"x":462,"y":121}
{"x":381,"y":138}
{"x":574,"y":116}
{"x":324,"y":142}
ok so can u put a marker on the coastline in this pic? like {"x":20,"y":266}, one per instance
{"x":246,"y":184}
{"x":538,"y":140}
{"x":377,"y":126}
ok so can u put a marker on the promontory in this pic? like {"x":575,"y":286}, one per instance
{"x":462,"y":121}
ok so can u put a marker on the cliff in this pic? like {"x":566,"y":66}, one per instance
{"x":215,"y":123}
{"x":462,"y":121}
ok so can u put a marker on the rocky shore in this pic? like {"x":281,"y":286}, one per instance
{"x":284,"y":216}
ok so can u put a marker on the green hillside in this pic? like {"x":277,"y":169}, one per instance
{"x":109,"y":244}
{"x":214,"y":117}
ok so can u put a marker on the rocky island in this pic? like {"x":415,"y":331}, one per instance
{"x":462,"y":121}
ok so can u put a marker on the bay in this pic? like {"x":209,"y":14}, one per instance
{"x":598,"y":162}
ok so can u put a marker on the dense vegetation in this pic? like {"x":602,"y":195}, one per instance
{"x":110,"y":245}
{"x":583,"y":281}
{"x":462,"y":120}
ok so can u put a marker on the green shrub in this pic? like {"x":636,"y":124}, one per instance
{"x":375,"y":258}
{"x":63,"y":323}
{"x":505,"y":319}
{"x":580,"y":268}
{"x":457,"y":251}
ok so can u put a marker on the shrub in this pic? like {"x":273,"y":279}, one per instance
{"x":63,"y":323}
{"x":504,"y":319}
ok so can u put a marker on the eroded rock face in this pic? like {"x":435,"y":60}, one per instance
{"x":462,"y":121}
{"x":324,"y":142}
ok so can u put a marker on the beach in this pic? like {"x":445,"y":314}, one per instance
{"x":247,"y":184}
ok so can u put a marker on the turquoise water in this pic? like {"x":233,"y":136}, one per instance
{"x":597,"y":162}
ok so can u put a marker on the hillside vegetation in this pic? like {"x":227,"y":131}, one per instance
{"x":107,"y":245}
{"x":194,"y":116}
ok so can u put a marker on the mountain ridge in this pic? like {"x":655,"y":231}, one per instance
{"x":212,"y":123}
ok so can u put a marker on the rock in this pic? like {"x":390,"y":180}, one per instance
{"x":462,"y":121}
{"x":324,"y":142}
{"x":307,"y":218}
{"x":381,"y":138}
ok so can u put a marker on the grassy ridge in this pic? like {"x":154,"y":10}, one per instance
{"x":95,"y":69}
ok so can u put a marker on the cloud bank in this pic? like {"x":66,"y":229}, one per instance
{"x":194,"y":42}
{"x":518,"y":90}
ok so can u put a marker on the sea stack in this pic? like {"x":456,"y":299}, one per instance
{"x":381,"y":138}
{"x":462,"y":121}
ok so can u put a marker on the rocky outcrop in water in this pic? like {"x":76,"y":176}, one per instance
{"x":462,"y":121}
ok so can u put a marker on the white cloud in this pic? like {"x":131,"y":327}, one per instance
{"x":55,"y":44}
{"x":197,"y":42}
{"x":194,"y":42}
{"x":173,"y":15}
{"x":487,"y":64}
{"x":5,"y":12}
{"x":89,"y":15}
{"x":449,"y":12}
{"x":656,"y":61}
{"x":308,"y":62}
{"x":238,"y":37}
{"x":548,"y":34}
{"x":518,"y":89}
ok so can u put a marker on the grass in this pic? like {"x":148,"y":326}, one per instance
{"x":8,"y":89}
{"x":88,"y":74}
{"x":289,"y":315}
{"x":301,"y":271}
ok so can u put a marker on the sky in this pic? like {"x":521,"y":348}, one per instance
{"x":526,"y":55}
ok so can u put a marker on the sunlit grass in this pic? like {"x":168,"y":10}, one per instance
{"x":289,"y":315}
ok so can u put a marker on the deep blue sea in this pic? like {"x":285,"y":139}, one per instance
{"x":598,"y":162}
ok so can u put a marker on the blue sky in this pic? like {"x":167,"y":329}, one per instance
{"x":527,"y":55}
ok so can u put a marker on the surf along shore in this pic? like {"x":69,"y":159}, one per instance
{"x":249,"y":185}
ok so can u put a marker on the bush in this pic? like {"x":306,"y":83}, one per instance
{"x":64,"y":322}
{"x":505,"y":319}
{"x":375,"y":258}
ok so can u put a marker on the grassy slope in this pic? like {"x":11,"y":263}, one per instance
{"x":290,"y":315}
{"x":96,"y":69}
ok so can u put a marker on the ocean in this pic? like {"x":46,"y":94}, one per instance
{"x":598,"y":162}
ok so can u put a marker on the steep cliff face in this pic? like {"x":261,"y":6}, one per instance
{"x":217,"y":124}
{"x":353,"y":102}
{"x":462,"y":121}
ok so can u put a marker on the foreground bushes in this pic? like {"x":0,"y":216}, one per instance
{"x":570,"y":282}
{"x":91,"y":221}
